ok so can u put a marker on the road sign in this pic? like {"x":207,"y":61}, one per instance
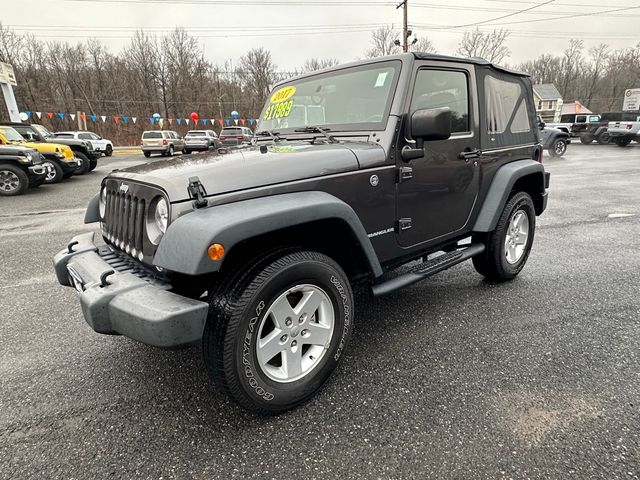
{"x":631,"y":100}
{"x":7,"y":74}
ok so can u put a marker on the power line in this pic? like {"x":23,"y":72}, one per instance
{"x":587,"y":14}
{"x":501,"y":17}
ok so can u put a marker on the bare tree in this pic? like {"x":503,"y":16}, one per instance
{"x":383,"y":42}
{"x":257,"y":75}
{"x":423,"y":45}
{"x":314,"y":64}
{"x":488,"y":45}
{"x":571,"y":66}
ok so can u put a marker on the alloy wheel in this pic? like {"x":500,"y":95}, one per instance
{"x":9,"y":181}
{"x":515,"y":242}
{"x":295,"y":332}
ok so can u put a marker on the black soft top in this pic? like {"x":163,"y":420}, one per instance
{"x":474,"y":60}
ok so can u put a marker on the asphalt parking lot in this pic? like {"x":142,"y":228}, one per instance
{"x":453,"y":377}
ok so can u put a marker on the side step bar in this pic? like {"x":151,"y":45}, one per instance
{"x":428,"y":268}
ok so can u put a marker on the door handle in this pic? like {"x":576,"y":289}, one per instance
{"x":468,"y":154}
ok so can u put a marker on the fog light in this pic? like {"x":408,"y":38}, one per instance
{"x":215,"y":252}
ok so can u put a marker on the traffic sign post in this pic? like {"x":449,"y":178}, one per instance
{"x":8,"y":81}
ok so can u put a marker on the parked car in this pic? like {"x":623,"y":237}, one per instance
{"x":164,"y":142}
{"x":622,"y":132}
{"x":20,"y":168}
{"x":257,"y":253}
{"x":100,"y":144}
{"x":201,"y":140}
{"x":82,"y":149}
{"x":236,"y":136}
{"x":553,"y":140}
{"x":575,"y":124}
{"x":58,"y":159}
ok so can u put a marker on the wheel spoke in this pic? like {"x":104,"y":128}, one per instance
{"x":269,"y":346}
{"x":292,"y":362}
{"x":521,"y":239}
{"x":280,"y":311}
{"x":309,"y":303}
{"x":318,"y":334}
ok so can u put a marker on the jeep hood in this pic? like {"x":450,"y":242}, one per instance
{"x":252,"y":167}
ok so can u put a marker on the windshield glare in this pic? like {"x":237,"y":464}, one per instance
{"x":12,"y":134}
{"x":350,"y":98}
{"x":42,"y":131}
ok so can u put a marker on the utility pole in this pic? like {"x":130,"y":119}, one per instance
{"x":405,"y":25}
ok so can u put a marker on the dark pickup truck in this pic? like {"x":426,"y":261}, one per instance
{"x":255,"y":253}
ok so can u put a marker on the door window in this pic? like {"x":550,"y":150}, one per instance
{"x":85,"y":136}
{"x":443,"y":88}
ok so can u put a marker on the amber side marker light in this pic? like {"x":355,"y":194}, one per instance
{"x":215,"y":252}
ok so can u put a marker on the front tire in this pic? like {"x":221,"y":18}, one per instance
{"x":276,"y":330}
{"x":13,"y":180}
{"x":623,"y":142}
{"x":558,"y":148}
{"x":604,"y":138}
{"x":108,"y":151}
{"x":86,"y":163}
{"x":586,"y":139}
{"x":508,"y":246}
{"x":54,"y":172}
{"x":93,"y":163}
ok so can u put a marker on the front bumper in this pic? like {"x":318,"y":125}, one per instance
{"x":126,"y":303}
{"x":69,"y":167}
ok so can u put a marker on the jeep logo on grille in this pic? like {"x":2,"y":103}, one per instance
{"x":124,"y":188}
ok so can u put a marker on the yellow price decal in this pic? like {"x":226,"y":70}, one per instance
{"x":278,"y":110}
{"x":283,"y":94}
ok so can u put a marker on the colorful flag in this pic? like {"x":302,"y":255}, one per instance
{"x":133,"y":119}
{"x":104,"y":118}
{"x":60,"y":115}
{"x":73,"y":116}
{"x":93,"y":117}
{"x":39,"y":114}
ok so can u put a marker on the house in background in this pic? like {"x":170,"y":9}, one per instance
{"x":548,"y":101}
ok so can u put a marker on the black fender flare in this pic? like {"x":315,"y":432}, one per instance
{"x":183,"y":247}
{"x":501,"y":187}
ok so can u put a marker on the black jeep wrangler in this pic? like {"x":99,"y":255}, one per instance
{"x":20,"y":168}
{"x":355,"y":170}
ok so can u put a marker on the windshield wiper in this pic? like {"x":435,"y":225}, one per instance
{"x":316,"y":129}
{"x":270,"y":133}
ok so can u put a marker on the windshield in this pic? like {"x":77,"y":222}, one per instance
{"x":350,"y":98}
{"x":11,"y":134}
{"x":42,"y":131}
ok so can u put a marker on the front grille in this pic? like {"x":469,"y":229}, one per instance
{"x":125,"y":216}
{"x":124,"y":221}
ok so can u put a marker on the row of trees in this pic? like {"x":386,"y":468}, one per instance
{"x":170,"y":75}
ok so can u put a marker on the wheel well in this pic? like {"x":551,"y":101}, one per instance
{"x":533,"y":184}
{"x":332,"y":237}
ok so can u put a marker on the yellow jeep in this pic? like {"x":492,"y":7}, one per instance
{"x":58,"y":159}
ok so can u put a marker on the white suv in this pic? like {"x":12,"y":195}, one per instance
{"x":200,"y":140}
{"x":101,"y":144}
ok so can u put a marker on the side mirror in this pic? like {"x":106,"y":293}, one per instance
{"x":427,"y":125}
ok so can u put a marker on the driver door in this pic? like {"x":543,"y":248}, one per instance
{"x":437,"y":198}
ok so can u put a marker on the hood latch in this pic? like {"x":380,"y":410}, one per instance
{"x":197,"y":192}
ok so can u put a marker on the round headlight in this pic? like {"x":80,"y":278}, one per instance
{"x":29,"y":157}
{"x":103,"y":202}
{"x":157,"y":219}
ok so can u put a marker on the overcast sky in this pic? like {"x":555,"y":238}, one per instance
{"x":294,"y":30}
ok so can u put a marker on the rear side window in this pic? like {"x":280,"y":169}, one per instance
{"x":64,"y":135}
{"x":506,"y":108}
{"x":152,"y":135}
{"x":443,"y":88}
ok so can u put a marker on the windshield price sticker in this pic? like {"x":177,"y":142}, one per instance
{"x":278,"y":110}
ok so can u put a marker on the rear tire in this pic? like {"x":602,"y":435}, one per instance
{"x":262,"y":346}
{"x":170,"y":152}
{"x":623,"y":142}
{"x":54,"y":175}
{"x":586,"y":139}
{"x":93,"y":164}
{"x":604,"y":138}
{"x":147,"y":154}
{"x":505,"y":255}
{"x":13,"y":180}
{"x":86,"y":163}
